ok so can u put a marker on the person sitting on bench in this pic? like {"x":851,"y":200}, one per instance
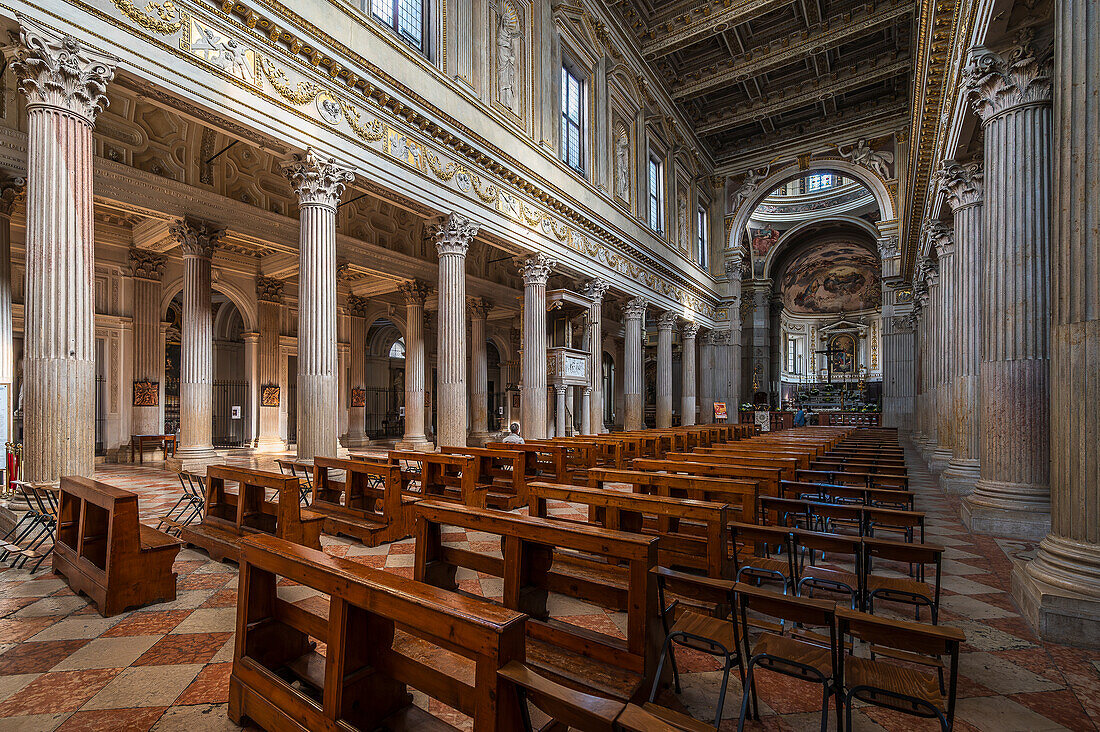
{"x":513,"y":437}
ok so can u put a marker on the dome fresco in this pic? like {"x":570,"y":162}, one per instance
{"x":830,"y":277}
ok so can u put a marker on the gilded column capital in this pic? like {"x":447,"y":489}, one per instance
{"x":318,"y":181}
{"x":963,"y":183}
{"x":535,"y":269}
{"x":478,"y":308}
{"x":454,"y":234}
{"x":146,"y":265}
{"x":634,"y":309}
{"x":1020,"y":77}
{"x":595,"y":289}
{"x":415,"y":292}
{"x":357,"y":306}
{"x":269,"y":289}
{"x":666,"y":321}
{"x":196,"y":238}
{"x":13,"y":191}
{"x":59,"y":72}
{"x":689,"y":330}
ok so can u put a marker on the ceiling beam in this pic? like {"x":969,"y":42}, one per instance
{"x":709,"y":19}
{"x":762,"y":59}
{"x":853,"y":77}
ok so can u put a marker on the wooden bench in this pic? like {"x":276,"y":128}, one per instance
{"x":847,"y":493}
{"x":444,"y":477}
{"x":165,"y":442}
{"x":381,"y":632}
{"x":104,"y":552}
{"x":768,"y":478}
{"x":788,"y":461}
{"x":545,"y":460}
{"x":580,"y":455}
{"x":230,"y":516}
{"x":578,"y":657}
{"x":503,"y":473}
{"x":740,"y":494}
{"x":367,"y":505}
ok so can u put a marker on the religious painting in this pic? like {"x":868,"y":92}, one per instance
{"x":269,"y":396}
{"x":358,"y":397}
{"x":763,"y":240}
{"x":720,"y":410}
{"x":843,"y":353}
{"x":830,"y":277}
{"x":146,"y":393}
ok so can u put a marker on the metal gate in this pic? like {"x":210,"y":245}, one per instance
{"x":100,"y":415}
{"x":383,"y":412}
{"x":232,"y":413}
{"x":292,"y":412}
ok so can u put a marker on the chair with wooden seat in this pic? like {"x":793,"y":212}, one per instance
{"x":753,"y":547}
{"x":888,"y":683}
{"x":812,"y":577}
{"x":915,"y":590}
{"x":809,"y":657}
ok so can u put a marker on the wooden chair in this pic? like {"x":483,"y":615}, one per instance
{"x":104,"y":552}
{"x":899,"y":686}
{"x":812,"y":577}
{"x":911,"y":591}
{"x":753,"y":545}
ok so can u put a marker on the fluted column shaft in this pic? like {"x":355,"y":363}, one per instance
{"x":586,"y":407}
{"x":559,"y":411}
{"x":706,"y":383}
{"x":453,"y":239}
{"x":415,"y":365}
{"x":633,"y":365}
{"x":12,"y":191}
{"x":533,"y":397}
{"x":269,"y":310}
{"x":1013,"y":99}
{"x":479,"y":368}
{"x":196,"y":354}
{"x":357,"y":370}
{"x":931,"y":361}
{"x":687,"y":372}
{"x":665,"y":325}
{"x":595,"y":289}
{"x":148,"y":347}
{"x":945,"y":361}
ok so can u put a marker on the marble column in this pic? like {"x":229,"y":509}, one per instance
{"x":930,"y":349}
{"x":65,"y":86}
{"x":586,"y":408}
{"x":535,"y":271}
{"x":12,"y":193}
{"x":687,"y":370}
{"x":559,"y":410}
{"x":634,"y":364}
{"x":964,"y":186}
{"x":196,"y":450}
{"x":595,"y":290}
{"x":943,"y":239}
{"x":898,"y":360}
{"x":665,"y":323}
{"x":414,"y":293}
{"x":452,"y":240}
{"x":319,"y":183}
{"x":357,"y":369}
{"x":1059,"y":590}
{"x":478,"y":311}
{"x":920,"y":312}
{"x":1012,"y":95}
{"x":706,"y":382}
{"x":269,"y":306}
{"x":146,"y":268}
{"x":252,"y":368}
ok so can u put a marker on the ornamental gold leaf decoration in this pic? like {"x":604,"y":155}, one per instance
{"x":306,"y":92}
{"x":372,"y":132}
{"x":163,"y":18}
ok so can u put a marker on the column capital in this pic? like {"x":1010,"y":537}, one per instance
{"x":269,"y":289}
{"x":60,"y":72}
{"x":478,"y":308}
{"x":689,"y":330}
{"x":941,"y":237}
{"x":196,"y":238}
{"x":666,"y":321}
{"x":357,"y":306}
{"x":1017,"y":78}
{"x":735,"y":263}
{"x":904,"y":323}
{"x":13,"y":191}
{"x":535,"y":269}
{"x":634,"y":309}
{"x":454,"y":234}
{"x":146,"y":265}
{"x":415,"y":292}
{"x":560,"y":389}
{"x":318,"y":181}
{"x":928,"y":270}
{"x":963,"y":183}
{"x":595,"y":289}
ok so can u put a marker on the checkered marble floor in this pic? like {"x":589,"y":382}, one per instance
{"x":166,"y":667}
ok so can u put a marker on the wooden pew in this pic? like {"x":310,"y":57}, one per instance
{"x":381,"y":632}
{"x":739,"y":493}
{"x":367,"y":505}
{"x":791,"y":458}
{"x":768,"y":477}
{"x":503,"y":474}
{"x":847,"y":494}
{"x":572,"y":655}
{"x":103,"y":551}
{"x":443,"y":477}
{"x":850,"y":477}
{"x":545,"y":460}
{"x":580,"y":455}
{"x":692,"y":534}
{"x":230,"y":516}
{"x":785,"y":465}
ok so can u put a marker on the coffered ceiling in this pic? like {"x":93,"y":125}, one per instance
{"x":748,"y":70}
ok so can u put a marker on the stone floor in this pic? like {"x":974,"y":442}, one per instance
{"x":166,"y":667}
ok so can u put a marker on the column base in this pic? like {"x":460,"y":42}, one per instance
{"x":1027,"y":524}
{"x":960,"y":476}
{"x":1058,"y":615}
{"x":355,"y":441}
{"x":939,"y":458}
{"x":419,"y":444}
{"x":477,"y":439}
{"x":193,"y":461}
{"x":268,"y":445}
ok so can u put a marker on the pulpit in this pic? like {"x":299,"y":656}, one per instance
{"x":567,"y":356}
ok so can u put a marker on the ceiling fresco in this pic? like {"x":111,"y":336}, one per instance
{"x":832,"y":276}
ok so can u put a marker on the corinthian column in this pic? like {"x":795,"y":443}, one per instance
{"x":1013,"y":98}
{"x":357,"y":372}
{"x":479,"y":369}
{"x":269,"y":294}
{"x":633,"y":364}
{"x":198,"y":241}
{"x":964,"y":186}
{"x":706,"y":383}
{"x":665,"y":323}
{"x":65,"y":85}
{"x":943,"y":239}
{"x":415,"y":365}
{"x":920,"y":311}
{"x":147,"y":269}
{"x":687,"y":367}
{"x":535,"y":271}
{"x":12,"y":192}
{"x":453,"y":238}
{"x":319,"y":183}
{"x":595,"y":290}
{"x":1059,"y":590}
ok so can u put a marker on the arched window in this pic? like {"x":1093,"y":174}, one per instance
{"x":397,"y":350}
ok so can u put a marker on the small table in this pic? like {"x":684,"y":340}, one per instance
{"x":168,"y":442}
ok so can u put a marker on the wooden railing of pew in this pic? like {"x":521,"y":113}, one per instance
{"x":367,"y":505}
{"x":691,"y":464}
{"x":443,"y":477}
{"x":544,"y":460}
{"x":739,"y":493}
{"x":382,"y":633}
{"x":502,"y":473}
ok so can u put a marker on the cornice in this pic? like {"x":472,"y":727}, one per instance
{"x":716,"y":16}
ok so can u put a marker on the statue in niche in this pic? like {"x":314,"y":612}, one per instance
{"x":508,"y":33}
{"x":622,"y":165}
{"x":864,"y":155}
{"x":682,"y":221}
{"x":749,"y":185}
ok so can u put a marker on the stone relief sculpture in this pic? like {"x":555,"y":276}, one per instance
{"x":622,"y":164}
{"x":862,"y":154}
{"x":508,"y":34}
{"x":749,"y":185}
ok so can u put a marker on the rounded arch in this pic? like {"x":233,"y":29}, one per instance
{"x":381,"y":311}
{"x":382,"y":333}
{"x":503,"y":347}
{"x":224,"y":321}
{"x":876,"y":185}
{"x":244,"y":302}
{"x":776,"y":253}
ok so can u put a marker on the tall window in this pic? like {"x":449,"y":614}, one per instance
{"x":405,"y":17}
{"x":572,"y":118}
{"x":656,"y":196}
{"x":701,"y":237}
{"x":791,"y":366}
